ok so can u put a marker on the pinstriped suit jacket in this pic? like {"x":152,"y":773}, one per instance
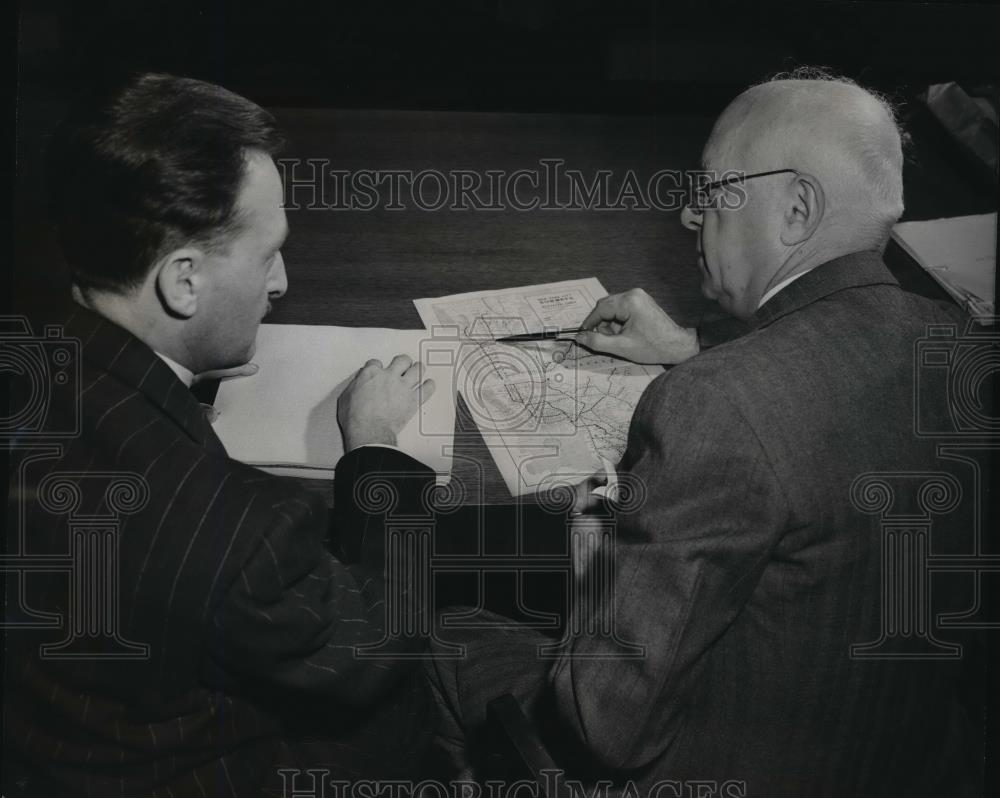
{"x":226,"y":575}
{"x":747,"y":573}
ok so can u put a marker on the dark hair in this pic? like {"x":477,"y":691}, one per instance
{"x":147,"y":166}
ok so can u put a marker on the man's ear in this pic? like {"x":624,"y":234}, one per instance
{"x":804,"y":210}
{"x":180,"y":280}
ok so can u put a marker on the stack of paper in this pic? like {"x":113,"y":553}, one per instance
{"x":960,"y":253}
{"x":284,"y":418}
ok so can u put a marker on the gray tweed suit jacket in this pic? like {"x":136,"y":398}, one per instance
{"x":747,"y":572}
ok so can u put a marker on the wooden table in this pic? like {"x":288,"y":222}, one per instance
{"x":365,"y":268}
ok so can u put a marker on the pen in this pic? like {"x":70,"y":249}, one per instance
{"x":548,"y":335}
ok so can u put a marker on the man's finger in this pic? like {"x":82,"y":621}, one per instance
{"x":599,"y":342}
{"x":609,"y":308}
{"x":374,"y":363}
{"x":414,"y":374}
{"x":426,"y":390}
{"x":399,"y":364}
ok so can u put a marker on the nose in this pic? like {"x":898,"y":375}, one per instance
{"x":692,"y":218}
{"x":277,"y":280}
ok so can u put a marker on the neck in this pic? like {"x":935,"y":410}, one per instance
{"x":807,"y":257}
{"x":130,"y":313}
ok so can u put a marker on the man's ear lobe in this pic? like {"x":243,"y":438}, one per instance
{"x":805,"y":211}
{"x":179,"y":281}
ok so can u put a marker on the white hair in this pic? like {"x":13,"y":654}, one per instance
{"x":850,"y":135}
{"x":876,"y":143}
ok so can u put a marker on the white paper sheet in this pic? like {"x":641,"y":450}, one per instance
{"x":551,"y":412}
{"x":960,"y":253}
{"x":284,"y":417}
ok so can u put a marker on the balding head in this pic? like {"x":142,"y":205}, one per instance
{"x":843,"y":135}
{"x":822,"y":163}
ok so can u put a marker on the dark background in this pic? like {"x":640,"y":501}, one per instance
{"x":547,"y":55}
{"x":624,"y":58}
{"x":585,"y":57}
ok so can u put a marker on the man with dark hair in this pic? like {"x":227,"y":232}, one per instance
{"x":151,"y":166}
{"x":216,"y":641}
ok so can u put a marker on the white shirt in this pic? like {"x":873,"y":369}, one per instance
{"x":783,"y":284}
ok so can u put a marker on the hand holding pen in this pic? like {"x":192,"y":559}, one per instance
{"x":630,"y":326}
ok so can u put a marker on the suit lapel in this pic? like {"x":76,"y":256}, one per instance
{"x":849,"y":271}
{"x":116,"y":351}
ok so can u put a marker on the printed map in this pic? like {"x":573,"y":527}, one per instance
{"x":550,"y":411}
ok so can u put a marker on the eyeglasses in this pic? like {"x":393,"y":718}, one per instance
{"x":691,"y":215}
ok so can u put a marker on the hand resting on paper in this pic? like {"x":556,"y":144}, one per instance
{"x":632,"y":326}
{"x":379,"y":401}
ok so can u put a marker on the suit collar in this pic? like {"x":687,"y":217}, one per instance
{"x":116,"y":351}
{"x":848,"y":271}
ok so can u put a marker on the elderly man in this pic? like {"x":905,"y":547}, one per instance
{"x":743,"y":573}
{"x":221,"y":647}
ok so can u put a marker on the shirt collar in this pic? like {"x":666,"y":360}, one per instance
{"x":776,"y":288}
